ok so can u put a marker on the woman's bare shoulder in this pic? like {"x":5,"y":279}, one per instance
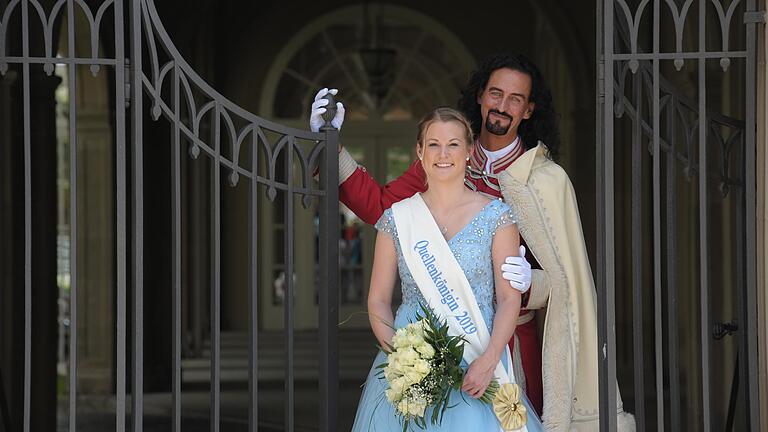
{"x":481,"y":199}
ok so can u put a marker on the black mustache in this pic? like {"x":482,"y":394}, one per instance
{"x":499,"y":113}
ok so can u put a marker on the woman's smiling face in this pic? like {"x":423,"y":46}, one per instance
{"x":444,"y":150}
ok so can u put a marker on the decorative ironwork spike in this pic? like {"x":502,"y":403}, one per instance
{"x":48,"y":68}
{"x":305,"y":201}
{"x":233,"y":178}
{"x":95,"y":70}
{"x":194,"y":151}
{"x":3,"y":68}
{"x":724,"y":63}
{"x":330,"y":112}
{"x":618,"y":109}
{"x":679,"y":64}
{"x":633,"y":65}
{"x":271,"y":193}
{"x":156,"y":112}
{"x":724,"y":188}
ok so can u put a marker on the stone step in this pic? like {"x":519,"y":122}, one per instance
{"x":356,"y":354}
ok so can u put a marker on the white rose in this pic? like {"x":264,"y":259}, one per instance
{"x":393,"y":396}
{"x":415,"y":329}
{"x":415,"y":376}
{"x":390,"y":373}
{"x":422,"y":366}
{"x":426,"y":350}
{"x":415,"y":340}
{"x":408,"y":356}
{"x":400,"y":339}
{"x":399,"y":384}
{"x":410,"y":407}
{"x":390,"y":369}
{"x":416,"y":408}
{"x":394,"y":368}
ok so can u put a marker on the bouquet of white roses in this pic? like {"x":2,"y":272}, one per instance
{"x":423,"y":366}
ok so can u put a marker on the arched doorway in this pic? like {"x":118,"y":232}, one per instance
{"x":391,"y":64}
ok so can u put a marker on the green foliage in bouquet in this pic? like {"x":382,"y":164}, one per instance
{"x":448,"y":375}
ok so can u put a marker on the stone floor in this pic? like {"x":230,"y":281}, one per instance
{"x":356,"y":351}
{"x":98,"y":414}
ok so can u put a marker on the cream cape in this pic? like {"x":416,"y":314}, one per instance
{"x":548,"y":219}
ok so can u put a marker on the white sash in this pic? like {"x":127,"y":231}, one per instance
{"x":442,"y":281}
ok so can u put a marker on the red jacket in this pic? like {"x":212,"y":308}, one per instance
{"x":362,"y":194}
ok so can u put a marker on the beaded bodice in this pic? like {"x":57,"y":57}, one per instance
{"x":472,"y":248}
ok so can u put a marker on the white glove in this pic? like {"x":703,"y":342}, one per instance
{"x":316,"y":120}
{"x":517,"y":271}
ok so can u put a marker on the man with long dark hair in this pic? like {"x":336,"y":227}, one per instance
{"x":510,"y":109}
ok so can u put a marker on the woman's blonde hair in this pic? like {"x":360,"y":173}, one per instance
{"x":444,"y":114}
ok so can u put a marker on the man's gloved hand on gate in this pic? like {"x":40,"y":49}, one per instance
{"x":316,"y":120}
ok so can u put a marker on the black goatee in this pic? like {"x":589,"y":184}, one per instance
{"x":497,"y":128}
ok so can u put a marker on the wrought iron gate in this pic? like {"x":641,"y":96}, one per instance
{"x":152,"y":79}
{"x":680,"y":146}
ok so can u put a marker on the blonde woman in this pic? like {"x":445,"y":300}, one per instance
{"x":471,"y":235}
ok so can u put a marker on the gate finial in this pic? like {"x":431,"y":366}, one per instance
{"x":330,"y":112}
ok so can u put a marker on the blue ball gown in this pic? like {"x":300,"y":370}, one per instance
{"x":472,"y":248}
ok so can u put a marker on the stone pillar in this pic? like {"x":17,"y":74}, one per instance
{"x":95,"y":234}
{"x":95,"y":212}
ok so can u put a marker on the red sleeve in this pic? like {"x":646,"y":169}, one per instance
{"x":368,"y":199}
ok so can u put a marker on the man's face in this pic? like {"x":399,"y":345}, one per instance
{"x":504,"y":102}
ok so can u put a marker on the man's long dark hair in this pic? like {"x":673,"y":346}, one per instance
{"x":542,"y":126}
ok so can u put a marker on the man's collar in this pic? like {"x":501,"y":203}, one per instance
{"x":478,"y":158}
{"x":515,"y":150}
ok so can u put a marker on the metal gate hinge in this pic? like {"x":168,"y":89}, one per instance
{"x":754,"y":17}
{"x":127,"y":83}
{"x":723,"y":329}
